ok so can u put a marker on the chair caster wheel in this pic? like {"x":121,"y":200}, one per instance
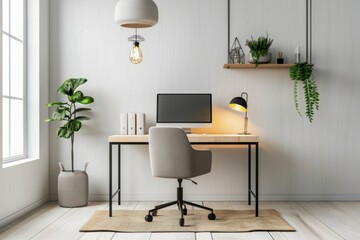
{"x":148,"y":218}
{"x":154,"y":213}
{"x":181,"y":222}
{"x":184,"y":211}
{"x":211,"y":216}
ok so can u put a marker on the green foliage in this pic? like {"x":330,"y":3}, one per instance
{"x":259,"y":47}
{"x":303,"y":72}
{"x":68,"y":111}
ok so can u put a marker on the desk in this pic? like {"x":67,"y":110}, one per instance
{"x":195,"y":139}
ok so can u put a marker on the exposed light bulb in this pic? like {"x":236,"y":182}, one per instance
{"x":136,"y":53}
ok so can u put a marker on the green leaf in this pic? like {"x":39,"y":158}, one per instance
{"x":75,"y":97}
{"x":70,"y":85}
{"x":76,"y":82}
{"x":81,"y":118}
{"x":61,"y":131}
{"x":69,"y":133}
{"x":59,"y":114}
{"x":64,"y":132}
{"x":296,"y":97}
{"x":81,"y":110}
{"x":64,"y":89}
{"x":55,"y":103}
{"x":74,"y":125}
{"x":86,"y":100}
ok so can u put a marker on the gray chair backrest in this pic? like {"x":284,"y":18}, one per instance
{"x":171,"y":155}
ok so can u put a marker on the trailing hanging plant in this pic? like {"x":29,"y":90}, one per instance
{"x":259,"y":47}
{"x":304,"y":72}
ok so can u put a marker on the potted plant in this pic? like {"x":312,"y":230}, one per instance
{"x":304,"y":72}
{"x":72,"y":185}
{"x":259,"y":49}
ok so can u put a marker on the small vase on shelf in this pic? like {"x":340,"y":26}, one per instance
{"x":280,"y":59}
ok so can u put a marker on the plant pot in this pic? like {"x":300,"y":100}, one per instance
{"x":263,"y":59}
{"x":73,"y":188}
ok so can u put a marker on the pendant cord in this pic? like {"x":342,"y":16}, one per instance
{"x":307,"y":30}
{"x":229,"y":31}
{"x":310,"y":29}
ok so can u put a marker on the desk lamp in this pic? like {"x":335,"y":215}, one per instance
{"x":240,"y":104}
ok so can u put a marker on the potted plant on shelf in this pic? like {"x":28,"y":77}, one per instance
{"x":73,"y":186}
{"x":259,"y":49}
{"x":304,"y":72}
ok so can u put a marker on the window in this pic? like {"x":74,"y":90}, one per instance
{"x":13,"y":79}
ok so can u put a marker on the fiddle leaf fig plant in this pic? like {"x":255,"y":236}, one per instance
{"x":304,"y":72}
{"x":259,"y":47}
{"x":68,"y":112}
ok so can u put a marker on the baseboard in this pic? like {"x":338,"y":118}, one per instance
{"x":225,"y":197}
{"x":22,"y":212}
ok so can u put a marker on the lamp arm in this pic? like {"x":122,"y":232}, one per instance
{"x":246,"y":118}
{"x":245,"y":125}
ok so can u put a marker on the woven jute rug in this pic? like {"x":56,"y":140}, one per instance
{"x":195,"y":221}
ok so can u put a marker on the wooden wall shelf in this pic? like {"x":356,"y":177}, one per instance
{"x":269,"y":65}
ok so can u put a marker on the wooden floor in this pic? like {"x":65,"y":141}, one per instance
{"x":312,"y":220}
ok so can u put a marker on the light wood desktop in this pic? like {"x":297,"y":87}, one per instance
{"x":221,"y":140}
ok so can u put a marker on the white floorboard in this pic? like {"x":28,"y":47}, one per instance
{"x":173,"y":236}
{"x":203,"y":236}
{"x":344,"y":221}
{"x":33,"y":224}
{"x":67,"y":226}
{"x":132,"y":236}
{"x":97,"y":236}
{"x":312,"y":220}
{"x":306,"y":225}
{"x":242,"y":236}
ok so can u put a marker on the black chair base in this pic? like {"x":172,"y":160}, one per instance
{"x":181,"y":206}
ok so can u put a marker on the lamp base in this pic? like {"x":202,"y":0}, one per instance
{"x":247,"y":133}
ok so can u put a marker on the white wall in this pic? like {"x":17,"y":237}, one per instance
{"x":185,"y":52}
{"x":25,"y":186}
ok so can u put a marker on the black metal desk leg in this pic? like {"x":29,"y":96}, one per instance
{"x":110,"y":180}
{"x":119,"y":174}
{"x":249,"y":174}
{"x":257,"y":179}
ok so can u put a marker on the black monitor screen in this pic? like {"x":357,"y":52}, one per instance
{"x":184,"y":108}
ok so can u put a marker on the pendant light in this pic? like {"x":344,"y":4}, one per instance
{"x":136,"y":13}
{"x":136,"y":53}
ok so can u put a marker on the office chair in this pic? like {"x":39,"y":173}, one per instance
{"x":171,"y":156}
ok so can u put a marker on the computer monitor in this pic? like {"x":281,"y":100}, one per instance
{"x":185,"y":110}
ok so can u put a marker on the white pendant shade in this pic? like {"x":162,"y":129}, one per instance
{"x":136,"y":13}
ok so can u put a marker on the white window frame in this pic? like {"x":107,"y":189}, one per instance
{"x":24,"y":98}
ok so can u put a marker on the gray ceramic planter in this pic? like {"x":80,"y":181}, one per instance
{"x":73,"y":188}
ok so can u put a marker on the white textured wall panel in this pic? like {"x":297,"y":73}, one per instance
{"x":185,"y":52}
